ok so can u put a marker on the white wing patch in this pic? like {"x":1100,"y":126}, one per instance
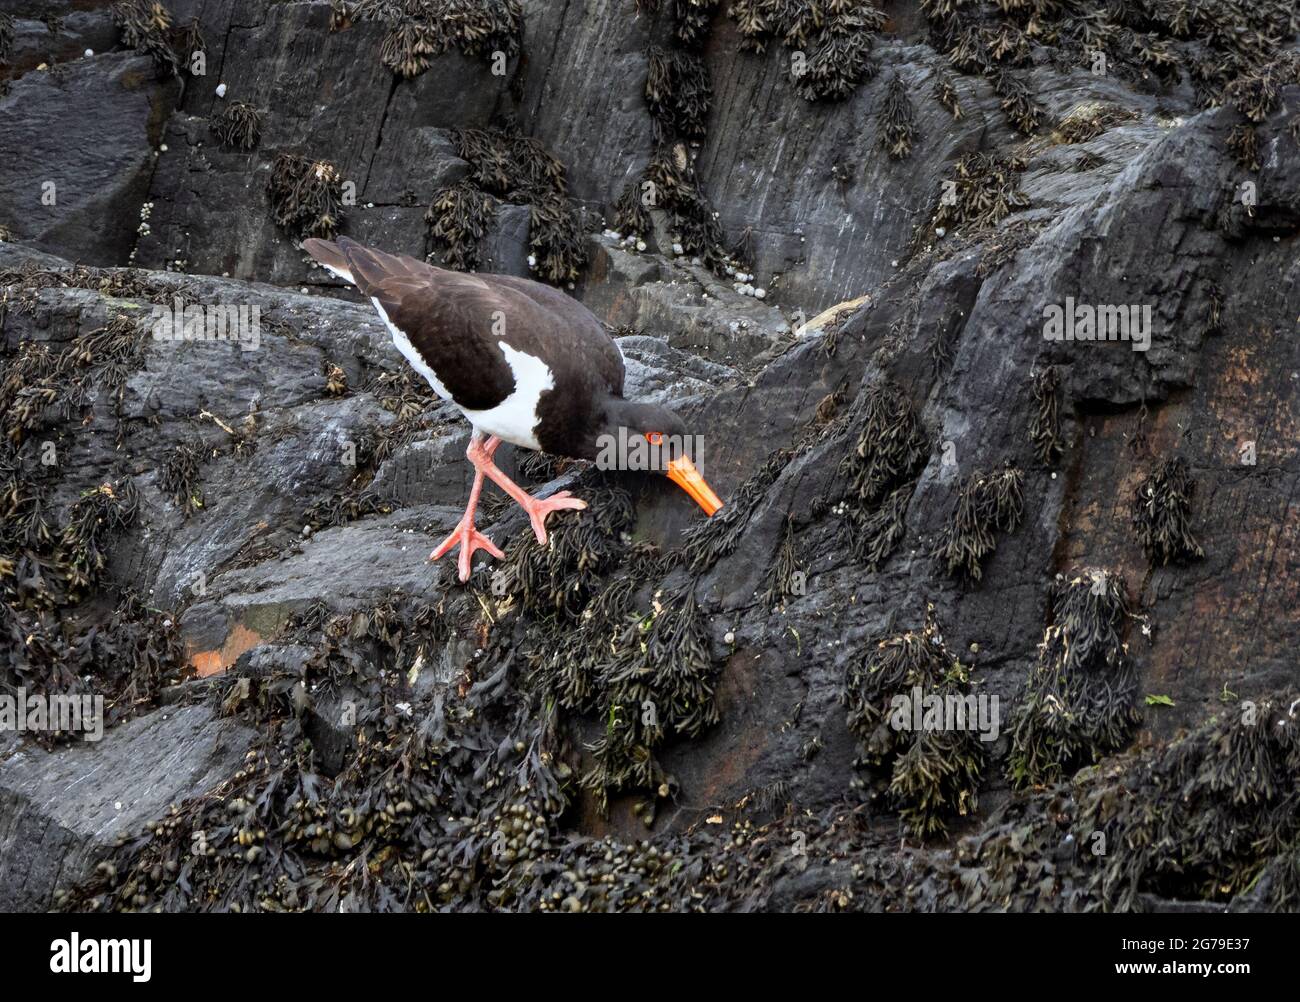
{"x":515,"y":419}
{"x":339,"y":273}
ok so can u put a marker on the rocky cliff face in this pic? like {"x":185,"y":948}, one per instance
{"x":929,"y":488}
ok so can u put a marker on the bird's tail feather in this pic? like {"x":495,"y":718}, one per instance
{"x":330,"y":256}
{"x":369,"y":267}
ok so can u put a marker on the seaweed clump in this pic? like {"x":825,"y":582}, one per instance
{"x":1080,"y":702}
{"x":541,"y":579}
{"x":1045,"y":420}
{"x":678,"y":91}
{"x":945,"y":92}
{"x":421,"y":29}
{"x":239,"y":127}
{"x":829,"y":43}
{"x":519,"y":170}
{"x":1254,"y":95}
{"x":1230,"y":810}
{"x":786,"y":574}
{"x":896,"y":120}
{"x":40,"y":385}
{"x":7,"y":34}
{"x":306,"y":196}
{"x":1215,"y":43}
{"x":658,"y":682}
{"x":671,"y":176}
{"x":935,"y":769}
{"x":146,"y":27}
{"x":709,"y":540}
{"x":1162,"y":508}
{"x":982,"y":192}
{"x":985,"y":504}
{"x":458,"y":218}
{"x":180,"y":475}
{"x":1088,"y":121}
{"x":887,"y":456}
{"x":1017,"y":103}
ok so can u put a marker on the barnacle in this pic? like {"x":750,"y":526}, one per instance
{"x":1080,"y":702}
{"x":985,"y":504}
{"x":1162,"y":509}
{"x":240,"y":126}
{"x":306,"y":195}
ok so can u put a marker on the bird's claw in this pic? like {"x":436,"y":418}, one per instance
{"x":539,"y":508}
{"x":469,"y":540}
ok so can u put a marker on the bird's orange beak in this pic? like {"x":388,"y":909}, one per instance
{"x":683,"y":473}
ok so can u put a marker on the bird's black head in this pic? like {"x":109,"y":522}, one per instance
{"x":650,"y":438}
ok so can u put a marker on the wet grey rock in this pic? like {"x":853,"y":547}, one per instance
{"x":955,"y":318}
{"x":60,"y":812}
{"x":78,"y":180}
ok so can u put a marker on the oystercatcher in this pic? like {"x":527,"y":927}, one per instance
{"x":525,"y":364}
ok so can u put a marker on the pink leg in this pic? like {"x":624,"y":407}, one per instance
{"x":468,"y":537}
{"x":480,"y":454}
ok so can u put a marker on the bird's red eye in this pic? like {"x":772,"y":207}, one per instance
{"x":654,"y":437}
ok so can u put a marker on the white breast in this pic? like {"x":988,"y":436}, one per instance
{"x":514,"y":419}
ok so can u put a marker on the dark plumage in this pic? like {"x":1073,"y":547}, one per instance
{"x":525,"y":364}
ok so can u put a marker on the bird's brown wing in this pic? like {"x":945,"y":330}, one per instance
{"x":454,"y":321}
{"x":457,"y":323}
{"x":584,"y":334}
